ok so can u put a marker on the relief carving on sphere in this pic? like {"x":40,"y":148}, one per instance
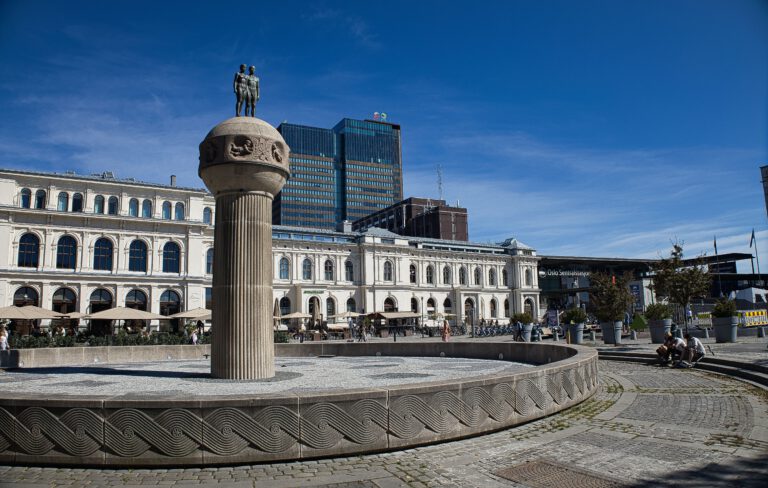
{"x":209,"y":151}
{"x":277,"y":155}
{"x":241,"y":147}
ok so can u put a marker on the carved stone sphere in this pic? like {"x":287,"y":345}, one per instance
{"x":244,"y":154}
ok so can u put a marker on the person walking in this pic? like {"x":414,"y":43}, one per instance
{"x":3,"y":340}
{"x":446,"y":331}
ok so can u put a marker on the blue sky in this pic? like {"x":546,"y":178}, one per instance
{"x":597,"y":128}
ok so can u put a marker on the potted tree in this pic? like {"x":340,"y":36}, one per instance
{"x":725,"y":320}
{"x":611,"y":298}
{"x":575,"y":318}
{"x":659,"y":316}
{"x":680,"y":283}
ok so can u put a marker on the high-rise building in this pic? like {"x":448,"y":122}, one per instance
{"x":338,"y":174}
{"x":419,"y":217}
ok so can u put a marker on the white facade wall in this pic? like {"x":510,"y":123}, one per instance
{"x":370,"y":254}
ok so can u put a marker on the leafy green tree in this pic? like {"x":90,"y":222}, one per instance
{"x":610,"y":296}
{"x":680,"y":283}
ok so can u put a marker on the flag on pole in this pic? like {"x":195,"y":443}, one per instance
{"x":752,"y":239}
{"x":715,"y":245}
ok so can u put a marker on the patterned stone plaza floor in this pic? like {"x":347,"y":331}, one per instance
{"x":646,"y":427}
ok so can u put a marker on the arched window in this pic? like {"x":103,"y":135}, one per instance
{"x":207,"y":215}
{"x":412,"y":273}
{"x":179,"y":211}
{"x":528,"y":277}
{"x":389,"y":305}
{"x":494,"y":311}
{"x":40,"y":199}
{"x":431,"y":307}
{"x":136,"y":299}
{"x":349,"y":271}
{"x":430,"y":275}
{"x":328,"y":269}
{"x":64,"y":301}
{"x":504,"y":277}
{"x":112,"y":205}
{"x":100,"y":300}
{"x":77,"y":202}
{"x":171,"y":258}
{"x":66,"y":253}
{"x":98,"y":204}
{"x":137,"y":256}
{"x":25,"y":295}
{"x":209,"y":261}
{"x":478,"y":276}
{"x":492,"y":277}
{"x":285,"y":268}
{"x":63,"y":202}
{"x":506,"y":308}
{"x":133,"y":207}
{"x":146,"y":209}
{"x":170,"y":303}
{"x":351,"y":305}
{"x":462,"y":276}
{"x":26,"y":198}
{"x":285,"y":306}
{"x":414,"y":305}
{"x":29,"y":251}
{"x":330,"y":308}
{"x":167,"y":210}
{"x":387,"y":271}
{"x":306,"y":269}
{"x":102,"y":254}
{"x":448,"y":306}
{"x":446,"y":275}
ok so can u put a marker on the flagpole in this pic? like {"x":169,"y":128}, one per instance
{"x":757,"y":256}
{"x":717,"y":263}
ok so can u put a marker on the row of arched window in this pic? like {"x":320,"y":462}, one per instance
{"x":103,"y":252}
{"x":284,"y":273}
{"x":65,"y":300}
{"x":109,"y":206}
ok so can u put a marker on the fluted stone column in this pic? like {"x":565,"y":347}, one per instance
{"x":244,"y":163}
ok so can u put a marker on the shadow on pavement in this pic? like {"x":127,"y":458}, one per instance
{"x":736,"y":473}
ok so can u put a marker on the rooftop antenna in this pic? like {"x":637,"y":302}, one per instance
{"x":440,"y":180}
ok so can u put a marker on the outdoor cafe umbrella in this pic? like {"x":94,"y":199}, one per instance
{"x":197,"y":313}
{"x":121,"y":313}
{"x":28,"y":312}
{"x":346,"y":315}
{"x":72,"y":316}
{"x":297,"y":315}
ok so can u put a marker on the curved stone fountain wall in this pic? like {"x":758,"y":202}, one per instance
{"x":231,"y":429}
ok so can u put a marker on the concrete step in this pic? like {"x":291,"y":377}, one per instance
{"x":754,"y":373}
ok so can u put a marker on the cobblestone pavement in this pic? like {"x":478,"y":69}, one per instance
{"x":647,"y":426}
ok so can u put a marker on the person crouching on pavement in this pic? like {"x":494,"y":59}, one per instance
{"x":694,"y":351}
{"x":672,"y":349}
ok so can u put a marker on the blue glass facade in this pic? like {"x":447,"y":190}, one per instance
{"x":339,"y":174}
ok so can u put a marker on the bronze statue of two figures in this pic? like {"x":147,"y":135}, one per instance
{"x":247,"y":90}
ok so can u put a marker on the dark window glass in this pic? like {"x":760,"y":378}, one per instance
{"x":179,"y":211}
{"x":66,"y":253}
{"x":26,"y":198}
{"x":387,"y":271}
{"x":102,"y":254}
{"x":306,"y":269}
{"x":64,"y":301}
{"x":77,"y":202}
{"x":351,"y":305}
{"x":389,"y":305}
{"x":207,"y":215}
{"x":349,"y":271}
{"x":478,"y":276}
{"x":98,"y":204}
{"x":171,"y":255}
{"x":136,"y":299}
{"x":330,"y":308}
{"x":63,"y":202}
{"x":284,"y":268}
{"x":29,"y":251}
{"x":285,"y":306}
{"x":446,"y":275}
{"x":146,"y":209}
{"x":462,"y":276}
{"x":329,"y":270}
{"x":170,"y":303}
{"x":137,"y":256}
{"x":25,"y":296}
{"x":209,"y":298}
{"x":112,"y":207}
{"x":133,"y":207}
{"x":504,"y":278}
{"x":167,"y":210}
{"x":492,"y":277}
{"x":412,"y":274}
{"x":430,"y":275}
{"x":40,"y":199}
{"x":209,"y":261}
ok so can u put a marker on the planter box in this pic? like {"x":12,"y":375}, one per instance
{"x":576,"y":333}
{"x":611,"y":332}
{"x":659,"y":329}
{"x":725,"y":328}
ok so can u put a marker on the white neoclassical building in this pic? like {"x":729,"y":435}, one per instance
{"x":84,"y":243}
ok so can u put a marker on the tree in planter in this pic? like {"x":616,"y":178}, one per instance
{"x":678,"y":283}
{"x":574,"y":316}
{"x":610,"y":296}
{"x":658,"y":311}
{"x":724,"y":309}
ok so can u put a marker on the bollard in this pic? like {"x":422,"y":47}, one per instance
{"x":761,"y":332}
{"x":706,"y":333}
{"x":633,"y":335}
{"x":554,"y":336}
{"x":592,"y":336}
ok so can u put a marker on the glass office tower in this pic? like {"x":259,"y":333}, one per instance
{"x":339,"y":174}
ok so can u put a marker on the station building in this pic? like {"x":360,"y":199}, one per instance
{"x":74,"y":243}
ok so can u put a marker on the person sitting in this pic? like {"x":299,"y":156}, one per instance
{"x":694,"y":352}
